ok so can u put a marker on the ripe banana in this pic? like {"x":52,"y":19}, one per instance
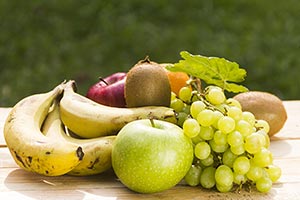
{"x":32,"y":150}
{"x":97,"y":151}
{"x":89,"y":119}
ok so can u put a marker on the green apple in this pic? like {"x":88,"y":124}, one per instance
{"x":151,"y":155}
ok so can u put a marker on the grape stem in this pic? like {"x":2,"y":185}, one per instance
{"x":195,"y":83}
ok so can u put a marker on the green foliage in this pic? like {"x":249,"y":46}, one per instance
{"x":212,"y":70}
{"x":43,"y":43}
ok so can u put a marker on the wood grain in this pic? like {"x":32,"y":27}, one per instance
{"x":16,"y":183}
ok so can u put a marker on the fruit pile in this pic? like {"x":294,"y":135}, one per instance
{"x":40,"y":129}
{"x":154,"y":125}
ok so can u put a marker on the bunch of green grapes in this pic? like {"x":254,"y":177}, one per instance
{"x":230,"y":145}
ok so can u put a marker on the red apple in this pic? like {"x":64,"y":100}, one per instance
{"x":109,"y":91}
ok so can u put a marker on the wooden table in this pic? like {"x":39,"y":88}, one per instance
{"x":15,"y":183}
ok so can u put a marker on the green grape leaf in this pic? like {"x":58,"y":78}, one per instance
{"x":212,"y":70}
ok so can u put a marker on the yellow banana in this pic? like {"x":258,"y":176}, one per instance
{"x":89,"y":119}
{"x":28,"y":146}
{"x":97,"y":151}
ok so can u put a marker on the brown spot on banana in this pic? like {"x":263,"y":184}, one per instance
{"x":19,"y":158}
{"x":79,"y":153}
{"x":93,"y":163}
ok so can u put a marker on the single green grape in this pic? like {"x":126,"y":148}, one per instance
{"x":235,"y":138}
{"x":220,"y":137}
{"x":215,"y":95}
{"x":234,"y":112}
{"x":267,"y":141}
{"x":206,"y":132}
{"x":264,"y":184}
{"x":238,"y":150}
{"x":192,"y":178}
{"x":191,"y":127}
{"x":177,"y":105}
{"x":208,"y":161}
{"x":233,"y":102}
{"x":274,"y":172}
{"x":262,"y":124}
{"x":255,"y":172}
{"x":185,"y":94}
{"x":181,"y":117}
{"x":224,"y":175}
{"x":244,"y":127}
{"x":263,"y":158}
{"x":226,"y":124}
{"x":206,"y":117}
{"x":186,"y":108}
{"x":207,"y":178}
{"x":202,"y":150}
{"x":249,"y":117}
{"x":218,"y":148}
{"x":254,"y":142}
{"x":228,"y":158}
{"x":241,"y":165}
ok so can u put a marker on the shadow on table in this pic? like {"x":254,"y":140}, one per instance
{"x":280,"y":148}
{"x":106,"y":187}
{"x":62,"y":187}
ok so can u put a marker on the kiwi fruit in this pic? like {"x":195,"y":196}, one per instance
{"x":264,"y":106}
{"x":147,"y":84}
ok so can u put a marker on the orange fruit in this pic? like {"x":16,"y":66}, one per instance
{"x":177,"y":80}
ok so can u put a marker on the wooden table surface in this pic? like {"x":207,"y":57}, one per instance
{"x":15,"y":183}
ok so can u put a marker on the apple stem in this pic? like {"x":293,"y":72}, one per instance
{"x":152,"y":121}
{"x":101,"y":79}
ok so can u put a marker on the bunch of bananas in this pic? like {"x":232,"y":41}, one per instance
{"x":40,"y":131}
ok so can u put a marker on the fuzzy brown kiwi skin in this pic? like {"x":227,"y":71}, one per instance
{"x":147,"y":84}
{"x":264,"y":106}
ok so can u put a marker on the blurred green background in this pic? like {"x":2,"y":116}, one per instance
{"x":43,"y":43}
